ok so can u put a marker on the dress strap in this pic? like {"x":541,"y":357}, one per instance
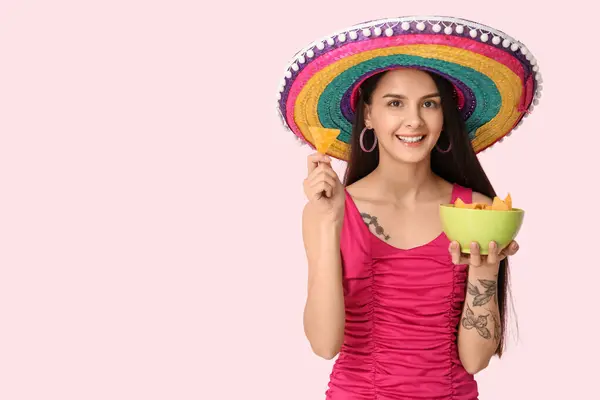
{"x":465,"y":194}
{"x":355,"y":235}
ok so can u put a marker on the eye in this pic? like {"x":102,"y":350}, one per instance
{"x":395,"y":103}
{"x":430,"y":104}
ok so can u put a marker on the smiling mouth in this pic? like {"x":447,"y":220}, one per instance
{"x":410,"y":139}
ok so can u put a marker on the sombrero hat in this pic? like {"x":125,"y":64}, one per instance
{"x":496,"y":77}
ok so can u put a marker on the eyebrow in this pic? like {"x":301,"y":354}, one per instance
{"x":401,"y":96}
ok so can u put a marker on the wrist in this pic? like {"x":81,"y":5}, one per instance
{"x":484,"y":271}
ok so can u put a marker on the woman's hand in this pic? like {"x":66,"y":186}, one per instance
{"x":475,"y":259}
{"x":323,"y":188}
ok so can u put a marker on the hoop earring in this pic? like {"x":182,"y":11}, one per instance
{"x":362,"y":145}
{"x":444,"y":151}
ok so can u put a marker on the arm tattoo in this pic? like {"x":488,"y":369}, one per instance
{"x":482,"y":298}
{"x":372,"y":220}
{"x":479,"y":323}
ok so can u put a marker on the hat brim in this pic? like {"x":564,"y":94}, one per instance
{"x":495,"y":76}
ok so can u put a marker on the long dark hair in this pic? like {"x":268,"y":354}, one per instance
{"x":460,"y":165}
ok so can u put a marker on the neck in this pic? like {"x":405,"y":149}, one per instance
{"x":405,"y":182}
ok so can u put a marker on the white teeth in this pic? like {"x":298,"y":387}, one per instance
{"x":410,"y":139}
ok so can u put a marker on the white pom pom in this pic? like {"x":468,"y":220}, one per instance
{"x":536,"y":102}
{"x":496,"y":40}
{"x":295,"y":67}
{"x":288,"y":74}
{"x":524,"y":50}
{"x":473,"y":33}
{"x":353,"y":35}
{"x":506,"y":43}
{"x":389,"y":32}
{"x":320,"y":45}
{"x":437,"y":28}
{"x":366,"y":32}
{"x":405,"y":26}
{"x":533,"y":61}
{"x":514,"y":47}
{"x":342,"y":37}
{"x":278,"y":96}
{"x":421,"y":26}
{"x":485,"y":37}
{"x":330,"y":41}
{"x":310,"y":54}
{"x":301,"y":59}
{"x":448,"y":30}
{"x":538,"y":94}
{"x":460,"y":29}
{"x":538,"y":76}
{"x":377,"y":31}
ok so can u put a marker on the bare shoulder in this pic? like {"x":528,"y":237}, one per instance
{"x":446,"y":188}
{"x":359,"y":189}
{"x":481,"y":198}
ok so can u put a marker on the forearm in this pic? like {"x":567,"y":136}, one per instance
{"x":324,"y":313}
{"x":480,"y":330}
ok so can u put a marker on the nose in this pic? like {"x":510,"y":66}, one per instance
{"x":413,"y":118}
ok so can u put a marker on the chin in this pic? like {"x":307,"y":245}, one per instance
{"x":411,"y":158}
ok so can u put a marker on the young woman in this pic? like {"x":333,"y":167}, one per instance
{"x":406,"y":313}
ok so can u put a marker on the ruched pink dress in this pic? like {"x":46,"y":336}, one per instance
{"x":403,"y":310}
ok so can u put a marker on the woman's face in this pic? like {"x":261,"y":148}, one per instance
{"x":406,"y":114}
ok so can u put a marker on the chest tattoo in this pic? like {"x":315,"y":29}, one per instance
{"x":372,"y":220}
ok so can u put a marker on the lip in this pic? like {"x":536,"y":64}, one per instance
{"x":412,"y":135}
{"x":411,"y":144}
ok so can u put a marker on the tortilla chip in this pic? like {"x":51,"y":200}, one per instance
{"x":497,"y":204}
{"x":323,"y":138}
{"x":461,"y":204}
{"x":508,"y":201}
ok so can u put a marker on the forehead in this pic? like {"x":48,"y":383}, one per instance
{"x":407,"y":81}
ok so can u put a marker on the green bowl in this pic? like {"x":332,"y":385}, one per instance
{"x":466,"y":225}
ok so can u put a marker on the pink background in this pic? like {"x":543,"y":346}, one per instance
{"x":150,"y":201}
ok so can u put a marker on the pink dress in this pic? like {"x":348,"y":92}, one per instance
{"x":403,"y":309}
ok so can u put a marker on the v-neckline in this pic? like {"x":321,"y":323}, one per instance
{"x":368,"y":232}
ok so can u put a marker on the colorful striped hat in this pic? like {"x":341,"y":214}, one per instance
{"x":495,"y":76}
